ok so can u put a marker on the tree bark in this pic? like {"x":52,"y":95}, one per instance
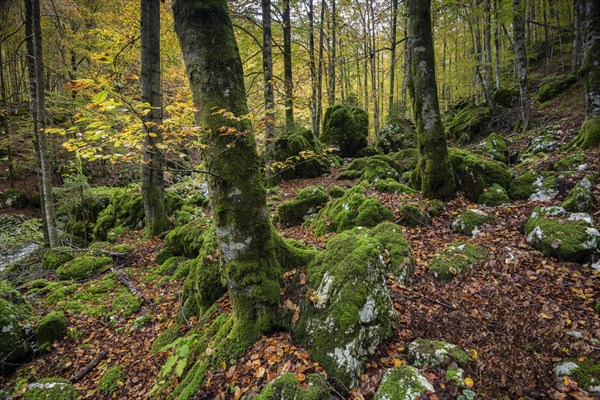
{"x":269,"y":95}
{"x":488,"y":76}
{"x":578,"y":19}
{"x":433,"y":174}
{"x":320,"y":68}
{"x":237,"y":196}
{"x":153,"y":191}
{"x":313,"y":67}
{"x":406,"y":79}
{"x":32,"y":8}
{"x":332,"y":64}
{"x":287,"y":67}
{"x":521,"y":59}
{"x":497,"y":40}
{"x":393,"y":58}
{"x":372,"y":55}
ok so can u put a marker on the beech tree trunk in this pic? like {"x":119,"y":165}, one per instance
{"x":488,"y":75}
{"x":320,"y":68}
{"x":237,"y":196}
{"x":313,"y":67}
{"x":32,"y":10}
{"x":287,"y":67}
{"x":269,"y":96}
{"x":433,"y":175}
{"x":393,"y":58}
{"x":153,"y":187}
{"x":332,"y":46}
{"x":578,"y":33}
{"x":521,"y":58}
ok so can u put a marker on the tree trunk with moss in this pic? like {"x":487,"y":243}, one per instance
{"x":521,"y":58}
{"x":433,"y":174}
{"x":288,"y":82}
{"x":237,"y":196}
{"x":269,"y":96}
{"x":589,"y":135}
{"x":153,"y":191}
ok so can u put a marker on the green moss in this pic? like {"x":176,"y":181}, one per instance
{"x":50,"y":389}
{"x":56,"y":257}
{"x":474,"y":173}
{"x":455,"y":375}
{"x":15,"y":198}
{"x":560,"y":234}
{"x":412,"y":215}
{"x":368,"y":152}
{"x":15,"y":313}
{"x":436,"y":207}
{"x":506,"y":97}
{"x":308,"y":201}
{"x":286,"y":387}
{"x":403,"y":382}
{"x":570,"y":162}
{"x":390,"y":185}
{"x":58,"y":292}
{"x":470,"y":122}
{"x":469,"y":222}
{"x":348,"y":175}
{"x":166,"y":337}
{"x":534,"y":186}
{"x":435,"y":353}
{"x":50,"y":328}
{"x":588,"y":373}
{"x":170,"y":265}
{"x":83,"y":267}
{"x":396,"y":135}
{"x":351,"y":210}
{"x":292,"y":254}
{"x":375,"y":168}
{"x":185,"y":240}
{"x":597,"y":307}
{"x":494,"y":196}
{"x":142,"y":321}
{"x":454,"y":259}
{"x":298,"y":154}
{"x":398,"y":257}
{"x":554,"y":87}
{"x":345,"y":127}
{"x":126,"y":304}
{"x":112,"y":379}
{"x":115,"y":233}
{"x":580,"y":199}
{"x":336,"y":192}
{"x":589,"y":134}
{"x":406,"y":159}
{"x":495,"y":147}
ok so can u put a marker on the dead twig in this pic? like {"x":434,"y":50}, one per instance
{"x":78,"y":376}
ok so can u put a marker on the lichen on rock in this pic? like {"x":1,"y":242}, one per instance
{"x":470,"y":222}
{"x":436,"y":353}
{"x":495,"y":147}
{"x":541,"y":186}
{"x":580,"y":198}
{"x":402,"y":383}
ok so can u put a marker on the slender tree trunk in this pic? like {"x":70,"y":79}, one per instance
{"x":497,"y":41}
{"x":5,"y":127}
{"x":372,"y":55}
{"x":578,"y":19}
{"x":153,"y":186}
{"x":393,"y":58}
{"x":237,"y":196}
{"x":40,"y":108}
{"x":488,"y":76}
{"x":287,"y":67}
{"x":269,"y":95}
{"x":434,"y":174}
{"x":333,"y":58}
{"x":320,"y":68}
{"x":521,"y":59}
{"x":406,"y":79}
{"x":313,"y":66}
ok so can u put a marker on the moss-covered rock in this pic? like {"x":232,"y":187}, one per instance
{"x":402,"y":383}
{"x":57,"y":257}
{"x":390,"y":185}
{"x":372,"y":169}
{"x":15,"y":314}
{"x":336,"y":192}
{"x":349,"y":312}
{"x":308,"y":201}
{"x":494,"y":196}
{"x":435,"y":353}
{"x":557,"y":233}
{"x":185,"y":240}
{"x":406,"y":159}
{"x":50,"y":389}
{"x":82,"y":267}
{"x":351,"y":210}
{"x":50,"y":328}
{"x":470,"y":222}
{"x":544,"y":141}
{"x":413,"y":215}
{"x":368,"y":151}
{"x":470,"y":122}
{"x":554,"y":87}
{"x":397,"y":254}
{"x":474,"y":173}
{"x":540,"y":186}
{"x":585,"y":372}
{"x":506,"y":97}
{"x":396,"y":135}
{"x":455,"y":258}
{"x":112,"y":379}
{"x":298,"y":154}
{"x":15,"y":198}
{"x":345,"y":127}
{"x":580,"y":199}
{"x":287,"y":387}
{"x":495,"y":147}
{"x":573,"y":162}
{"x":169,"y":266}
{"x":126,"y":304}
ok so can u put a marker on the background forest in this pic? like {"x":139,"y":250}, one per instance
{"x":299,"y":199}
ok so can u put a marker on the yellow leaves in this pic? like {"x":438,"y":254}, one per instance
{"x":56,"y":131}
{"x":104,"y":58}
{"x":468,"y":382}
{"x":474,"y":354}
{"x":398,"y":362}
{"x":131,"y":77}
{"x":78,"y":84}
{"x":546,"y":315}
{"x":100,"y":97}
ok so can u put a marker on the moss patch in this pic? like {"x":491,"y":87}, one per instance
{"x":494,"y":196}
{"x":412,"y":215}
{"x":56,"y":257}
{"x":287,"y":387}
{"x":397,"y":254}
{"x":50,"y":328}
{"x":15,"y":313}
{"x":345,"y":127}
{"x":396,"y":135}
{"x":554,"y":87}
{"x":495,"y":147}
{"x":454,"y":259}
{"x":470,"y":122}
{"x":404,"y":382}
{"x":390,"y":185}
{"x":534,"y":186}
{"x":470,"y":222}
{"x":308,"y":201}
{"x":15,"y":198}
{"x":435,"y":353}
{"x":372,"y":169}
{"x":580,"y":199}
{"x":83,"y":267}
{"x":111,"y":380}
{"x":50,"y":389}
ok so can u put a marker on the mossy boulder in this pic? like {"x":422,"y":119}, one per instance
{"x":56,"y":257}
{"x":544,"y":141}
{"x":112,"y":379}
{"x":585,"y":372}
{"x":580,"y":198}
{"x":50,"y":329}
{"x":435,"y":353}
{"x":558,"y":233}
{"x":368,"y":152}
{"x":396,"y":135}
{"x":402,"y":383}
{"x":83,"y":267}
{"x":495,"y":147}
{"x":494,"y":196}
{"x":15,"y":314}
{"x":373,"y":169}
{"x":506,"y":97}
{"x":470,"y":222}
{"x":554,"y":87}
{"x":50,"y":389}
{"x":390,"y":185}
{"x":287,"y":387}
{"x":470,"y":122}
{"x":532,"y":185}
{"x":455,"y":258}
{"x":185,"y":240}
{"x":572,"y":162}
{"x":126,"y":304}
{"x":413,"y":215}
{"x":353,"y":209}
{"x":345,"y":127}
{"x":406,"y":159}
{"x":15,"y":198}
{"x":298,"y":154}
{"x":308,"y":202}
{"x":349,"y":312}
{"x":474,"y":173}
{"x":397,"y":255}
{"x":336,"y":192}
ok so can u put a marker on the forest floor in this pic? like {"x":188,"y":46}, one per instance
{"x":518,"y":314}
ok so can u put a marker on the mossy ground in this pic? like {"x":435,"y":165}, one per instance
{"x":308,"y":201}
{"x":470,"y":222}
{"x":287,"y":387}
{"x":50,"y":328}
{"x":455,"y":258}
{"x":83,"y":267}
{"x":112,"y":379}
